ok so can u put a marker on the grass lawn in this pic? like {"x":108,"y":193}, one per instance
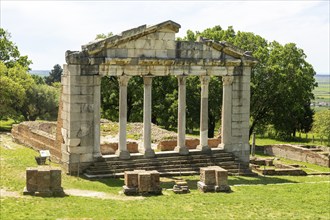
{"x":5,"y":125}
{"x":277,"y":197}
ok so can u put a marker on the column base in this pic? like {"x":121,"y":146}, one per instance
{"x":204,"y":149}
{"x":97,"y":155}
{"x":148,"y":153}
{"x":223,"y":146}
{"x":123,"y":154}
{"x":182,"y":150}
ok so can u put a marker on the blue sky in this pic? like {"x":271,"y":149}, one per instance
{"x":44,"y":30}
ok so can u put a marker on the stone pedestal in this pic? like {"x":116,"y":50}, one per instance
{"x":213,"y":179}
{"x":43,"y":181}
{"x":141,"y":182}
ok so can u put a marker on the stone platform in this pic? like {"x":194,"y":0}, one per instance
{"x":166,"y":163}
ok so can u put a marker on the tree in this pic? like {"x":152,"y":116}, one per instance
{"x":15,"y":82}
{"x":54,"y":75}
{"x":9,"y":53}
{"x":42,"y":103}
{"x":103,"y":35}
{"x":321,"y":124}
{"x":281,"y":83}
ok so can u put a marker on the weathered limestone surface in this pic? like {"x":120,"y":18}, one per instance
{"x":141,"y":182}
{"x":151,"y":51}
{"x":43,"y":181}
{"x":213,"y":179}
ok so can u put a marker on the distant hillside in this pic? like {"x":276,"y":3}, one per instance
{"x":40,"y":72}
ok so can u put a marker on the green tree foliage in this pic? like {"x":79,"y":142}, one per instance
{"x":42,"y":103}
{"x":54,"y":75}
{"x":103,"y":36}
{"x":281,"y":83}
{"x":23,"y":96}
{"x":9,"y":53}
{"x":321,"y":124}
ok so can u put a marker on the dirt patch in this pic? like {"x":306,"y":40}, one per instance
{"x":99,"y":195}
{"x":6,"y":193}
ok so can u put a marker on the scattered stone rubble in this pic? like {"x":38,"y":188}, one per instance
{"x":181,"y":187}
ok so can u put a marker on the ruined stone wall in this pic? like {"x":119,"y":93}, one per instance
{"x":297,"y":153}
{"x":30,"y":136}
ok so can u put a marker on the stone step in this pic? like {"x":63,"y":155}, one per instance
{"x":153,"y":161}
{"x":114,"y":158}
{"x":158,"y":168}
{"x":199,"y":164}
{"x":232,"y":172}
{"x":167,"y":163}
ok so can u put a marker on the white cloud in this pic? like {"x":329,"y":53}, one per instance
{"x":45,"y":30}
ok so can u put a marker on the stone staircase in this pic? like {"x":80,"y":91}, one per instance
{"x":167,"y":163}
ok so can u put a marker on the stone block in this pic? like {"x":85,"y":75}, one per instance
{"x":192,"y":143}
{"x":214,"y":142}
{"x":43,"y":179}
{"x":171,"y":53}
{"x":31,"y":179}
{"x":131,"y":179}
{"x":71,"y":70}
{"x":89,"y":69}
{"x":168,"y":145}
{"x":166,"y":36}
{"x":207,"y":176}
{"x":221,"y":177}
{"x":121,"y":53}
{"x":55,"y":179}
{"x":144,"y":181}
{"x":154,"y":180}
{"x":81,"y":150}
{"x":161,"y":53}
{"x":111,"y":52}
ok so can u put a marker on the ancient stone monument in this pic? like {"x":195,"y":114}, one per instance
{"x":43,"y":181}
{"x":142,"y":182}
{"x":148,"y":52}
{"x":213,"y":179}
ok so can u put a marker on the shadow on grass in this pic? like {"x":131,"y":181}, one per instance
{"x":111,"y":182}
{"x":240,"y":180}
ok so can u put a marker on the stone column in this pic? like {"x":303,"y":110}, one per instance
{"x":226,"y":112}
{"x":181,"y":142}
{"x":122,"y":151}
{"x":203,"y":133}
{"x":97,"y":116}
{"x":148,"y":152}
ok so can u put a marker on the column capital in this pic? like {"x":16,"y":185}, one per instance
{"x":123,"y":80}
{"x":205,"y":80}
{"x":182,"y":80}
{"x":147,"y":80}
{"x":227,"y":80}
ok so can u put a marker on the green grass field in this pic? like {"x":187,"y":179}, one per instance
{"x":322,"y":92}
{"x":262,"y":197}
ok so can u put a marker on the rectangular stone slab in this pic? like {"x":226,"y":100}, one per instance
{"x":144,"y":182}
{"x":43,"y":180}
{"x":207,"y":176}
{"x":55,"y":179}
{"x":131,"y":179}
{"x":31,"y":179}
